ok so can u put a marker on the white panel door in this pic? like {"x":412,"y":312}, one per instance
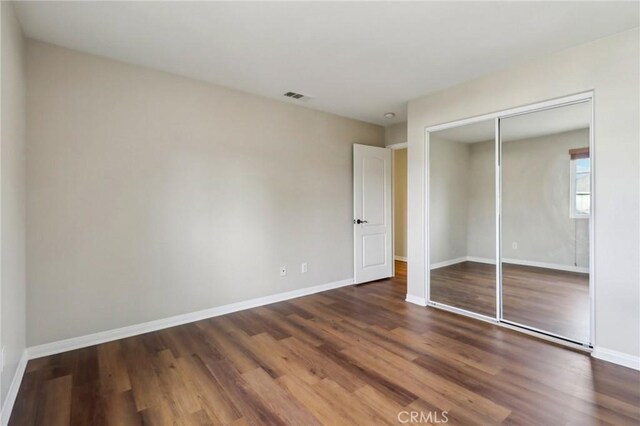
{"x":372,"y":213}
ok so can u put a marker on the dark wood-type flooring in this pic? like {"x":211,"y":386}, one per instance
{"x":358,"y":355}
{"x":546,"y":299}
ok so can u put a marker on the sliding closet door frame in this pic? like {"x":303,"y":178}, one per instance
{"x":427,"y":249}
{"x":563,"y":102}
{"x":498,"y":208}
{"x":496,"y":116}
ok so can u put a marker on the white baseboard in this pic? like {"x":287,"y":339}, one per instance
{"x":448,"y":262}
{"x":481,"y":260}
{"x":134,"y":330}
{"x":555,"y":266}
{"x":616,"y":357}
{"x":400,"y":258}
{"x":558,"y":267}
{"x":421,"y":301}
{"x":10,"y":399}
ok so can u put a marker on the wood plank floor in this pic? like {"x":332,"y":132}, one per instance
{"x":550,"y":300}
{"x":358,"y":355}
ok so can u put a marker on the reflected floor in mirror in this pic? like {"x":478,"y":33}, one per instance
{"x":467,"y":285}
{"x":547,"y":299}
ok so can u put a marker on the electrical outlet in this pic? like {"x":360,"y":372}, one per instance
{"x":283,"y":271}
{"x":514,"y":246}
{"x":303,"y":268}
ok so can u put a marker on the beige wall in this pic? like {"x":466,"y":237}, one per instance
{"x":449,"y":199}
{"x":535,"y":206}
{"x":13,"y":196}
{"x":400,"y":202}
{"x":535,"y":201}
{"x":152,"y":195}
{"x":481,"y":216}
{"x":611,"y":67}
{"x":395,"y":133}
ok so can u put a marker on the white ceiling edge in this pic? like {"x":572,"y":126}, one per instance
{"x":534,"y":124}
{"x":356,"y":60}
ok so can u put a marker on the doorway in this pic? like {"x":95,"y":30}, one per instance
{"x":400,"y":250}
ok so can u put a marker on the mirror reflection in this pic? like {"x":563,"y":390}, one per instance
{"x":546,"y":207}
{"x":462,"y":217}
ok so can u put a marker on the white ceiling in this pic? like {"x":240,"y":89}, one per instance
{"x":356,"y":59}
{"x":524,"y":126}
{"x":546,"y":122}
{"x":469,"y":133}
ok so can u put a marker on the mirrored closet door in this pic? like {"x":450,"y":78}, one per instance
{"x":462,"y":218}
{"x":509,"y":218}
{"x":546,"y":208}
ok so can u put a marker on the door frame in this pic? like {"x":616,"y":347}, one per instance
{"x":395,"y":147}
{"x":497,"y":116}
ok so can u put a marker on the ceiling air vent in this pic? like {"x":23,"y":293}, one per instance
{"x":297,"y":96}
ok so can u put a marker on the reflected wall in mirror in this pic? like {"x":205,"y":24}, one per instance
{"x":462,"y":242}
{"x":546,"y":204}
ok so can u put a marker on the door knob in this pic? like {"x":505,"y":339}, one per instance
{"x":358,"y":221}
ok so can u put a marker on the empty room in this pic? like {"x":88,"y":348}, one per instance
{"x":304,"y":213}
